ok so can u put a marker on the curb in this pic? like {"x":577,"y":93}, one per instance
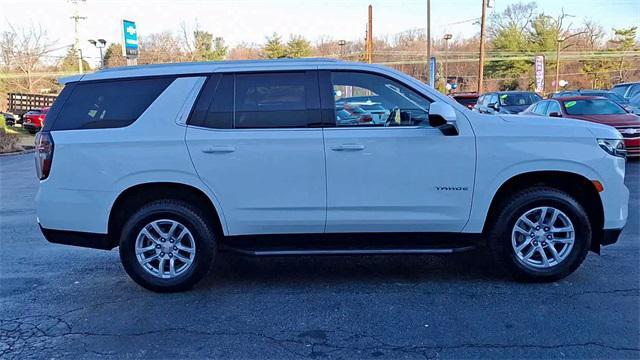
{"x":18,"y":153}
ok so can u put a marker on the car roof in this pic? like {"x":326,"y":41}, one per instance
{"x":203,"y":67}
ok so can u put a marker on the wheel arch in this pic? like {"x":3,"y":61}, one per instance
{"x":576,"y":185}
{"x":132,"y":198}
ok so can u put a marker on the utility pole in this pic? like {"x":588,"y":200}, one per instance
{"x":370,"y":36}
{"x":482,"y":36}
{"x":428,"y":40}
{"x":76,"y":22}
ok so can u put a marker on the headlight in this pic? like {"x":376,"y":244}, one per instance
{"x":613,"y":147}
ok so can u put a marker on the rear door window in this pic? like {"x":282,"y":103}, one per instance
{"x":108,"y":104}
{"x":275,"y":100}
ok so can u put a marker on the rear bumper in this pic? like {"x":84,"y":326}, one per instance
{"x":610,"y":236}
{"x":77,"y":238}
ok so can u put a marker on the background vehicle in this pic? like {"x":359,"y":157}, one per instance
{"x":467,"y":99}
{"x":596,"y":109}
{"x":505,"y":102}
{"x":10,"y":119}
{"x":180,"y":161}
{"x":603,"y":93}
{"x":627,"y":90}
{"x":33,"y":120}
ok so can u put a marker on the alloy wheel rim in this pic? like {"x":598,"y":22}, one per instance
{"x":165,"y":248}
{"x":543,"y":238}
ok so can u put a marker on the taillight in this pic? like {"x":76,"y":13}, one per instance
{"x":44,"y":154}
{"x":41,"y":118}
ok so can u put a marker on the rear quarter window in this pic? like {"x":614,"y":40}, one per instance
{"x":108,"y":104}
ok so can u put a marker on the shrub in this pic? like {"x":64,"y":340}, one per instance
{"x":8,"y":142}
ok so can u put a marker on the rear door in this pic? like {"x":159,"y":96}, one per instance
{"x":394,"y":175}
{"x":256,"y":142}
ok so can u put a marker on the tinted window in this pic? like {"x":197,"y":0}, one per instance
{"x":541,"y":108}
{"x":214,"y":108}
{"x":493,"y":99}
{"x":518,"y":99}
{"x":553,"y":107}
{"x":466,"y":101}
{"x":592,"y":107}
{"x":271,"y":100}
{"x":363,"y":99}
{"x":108,"y":104}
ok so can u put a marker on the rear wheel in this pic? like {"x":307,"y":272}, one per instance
{"x":167,"y":246}
{"x":541,"y":234}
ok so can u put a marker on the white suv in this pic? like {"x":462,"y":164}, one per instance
{"x":173,"y":163}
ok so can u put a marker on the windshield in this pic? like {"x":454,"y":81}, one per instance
{"x":592,"y":107}
{"x":518,"y":99}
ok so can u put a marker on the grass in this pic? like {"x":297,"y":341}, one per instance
{"x":26,"y":139}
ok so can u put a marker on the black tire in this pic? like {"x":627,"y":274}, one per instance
{"x":192,"y":218}
{"x":500,"y":233}
{"x":32,"y":131}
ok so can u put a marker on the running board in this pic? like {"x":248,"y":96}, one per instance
{"x":349,"y":244}
{"x":346,"y":252}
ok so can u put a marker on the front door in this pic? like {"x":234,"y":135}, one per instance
{"x":387,"y":169}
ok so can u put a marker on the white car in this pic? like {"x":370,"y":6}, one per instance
{"x":175,"y":163}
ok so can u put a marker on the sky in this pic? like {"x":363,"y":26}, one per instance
{"x":251,"y":20}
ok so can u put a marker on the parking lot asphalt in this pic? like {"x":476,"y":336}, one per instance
{"x":58,"y":301}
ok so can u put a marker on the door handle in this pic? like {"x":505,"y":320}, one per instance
{"x":219,"y":149}
{"x":348,"y":147}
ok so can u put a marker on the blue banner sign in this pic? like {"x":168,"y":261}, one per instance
{"x":129,"y":39}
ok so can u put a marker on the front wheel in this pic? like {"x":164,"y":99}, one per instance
{"x":167,"y":246}
{"x":541,"y":234}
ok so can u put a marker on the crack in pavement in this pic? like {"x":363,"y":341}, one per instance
{"x":33,"y":334}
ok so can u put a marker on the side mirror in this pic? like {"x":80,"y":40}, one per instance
{"x":495,"y":106}
{"x":443,"y":117}
{"x":555,"y":114}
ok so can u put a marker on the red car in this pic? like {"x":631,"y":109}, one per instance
{"x":466,"y":99}
{"x":595,"y":109}
{"x":33,"y":120}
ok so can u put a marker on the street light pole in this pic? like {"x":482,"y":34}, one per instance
{"x":447,"y":37}
{"x":560,"y":40}
{"x":100,"y":44}
{"x":342,"y":43}
{"x":428,"y":40}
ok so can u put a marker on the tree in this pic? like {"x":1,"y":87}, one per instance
{"x":23,"y":50}
{"x":298,"y":47}
{"x":164,"y":47}
{"x":69,"y":62}
{"x":113,"y":56}
{"x":625,"y":40}
{"x":274,"y":48}
{"x":208,"y":48}
{"x":244,"y":51}
{"x":509,"y":32}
